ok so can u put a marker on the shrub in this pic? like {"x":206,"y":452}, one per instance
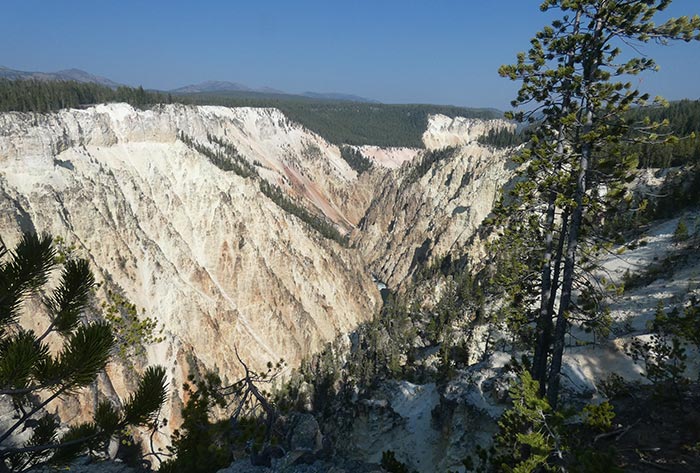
{"x":391,"y":464}
{"x":600,"y":416}
{"x":681,"y":232}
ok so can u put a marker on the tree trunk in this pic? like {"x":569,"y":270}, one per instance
{"x":544,"y":321}
{"x":550,"y":282}
{"x":567,"y":285}
{"x":593,"y":54}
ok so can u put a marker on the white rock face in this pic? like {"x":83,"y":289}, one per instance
{"x":211,"y":258}
{"x":202,"y":251}
{"x":412,"y":221}
{"x":390,"y":158}
{"x":444,"y":131}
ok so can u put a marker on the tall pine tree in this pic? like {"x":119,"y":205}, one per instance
{"x":574,"y":82}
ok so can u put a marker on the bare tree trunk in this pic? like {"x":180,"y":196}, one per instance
{"x":544,"y":344}
{"x":567,"y":285}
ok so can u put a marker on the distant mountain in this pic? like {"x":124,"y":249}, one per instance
{"x":339,"y":97}
{"x":213,"y":86}
{"x":270,"y":90}
{"x":235,"y":88}
{"x":67,"y":74}
{"x":82,"y":76}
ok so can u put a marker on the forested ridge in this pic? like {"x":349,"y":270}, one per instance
{"x":683,"y":122}
{"x":353,"y":123}
{"x":46,"y":96}
{"x":349,"y":123}
{"x":338,"y":122}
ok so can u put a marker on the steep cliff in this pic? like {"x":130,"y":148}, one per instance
{"x":209,"y":256}
{"x":422,"y":212}
{"x":202,"y":251}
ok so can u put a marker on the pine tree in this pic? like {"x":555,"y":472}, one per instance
{"x":681,"y":232}
{"x":33,"y":376}
{"x":574,"y":166}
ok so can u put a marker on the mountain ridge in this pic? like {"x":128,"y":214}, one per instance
{"x":204,"y":87}
{"x":71,"y":74}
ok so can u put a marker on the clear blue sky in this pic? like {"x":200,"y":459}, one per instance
{"x":408,"y":51}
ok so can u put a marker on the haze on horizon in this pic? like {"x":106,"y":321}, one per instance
{"x":410,"y":51}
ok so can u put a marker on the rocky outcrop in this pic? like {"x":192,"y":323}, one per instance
{"x":206,"y":254}
{"x":390,"y":158}
{"x":443,"y":131}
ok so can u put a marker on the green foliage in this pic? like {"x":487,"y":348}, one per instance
{"x":599,"y":416}
{"x":681,"y":118}
{"x":132,"y":331}
{"x":382,"y":343}
{"x":200,"y":445}
{"x":338,"y":122}
{"x":33,"y":376}
{"x":247,"y":417}
{"x":534,"y":438}
{"x":530,"y":433}
{"x":681,"y":231}
{"x":355,"y":159}
{"x":679,"y":190}
{"x":320,"y":224}
{"x":501,"y":138}
{"x":143,"y":405}
{"x":511,"y":279}
{"x":227,"y":158}
{"x":613,"y":386}
{"x":595,"y":460}
{"x":391,"y":464}
{"x":662,"y":269}
{"x":663,"y":354}
{"x":574,"y":86}
{"x":45,"y":96}
{"x":352,"y":123}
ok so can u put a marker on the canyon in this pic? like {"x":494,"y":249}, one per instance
{"x":216,"y":263}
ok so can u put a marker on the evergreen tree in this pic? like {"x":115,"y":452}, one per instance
{"x":32,"y":375}
{"x":681,"y":232}
{"x":572,"y":75}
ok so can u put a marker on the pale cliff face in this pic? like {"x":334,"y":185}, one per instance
{"x":205,"y":253}
{"x":202,"y":251}
{"x":444,"y":131}
{"x":408,"y":223}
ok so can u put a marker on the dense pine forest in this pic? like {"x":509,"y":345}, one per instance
{"x":46,"y":96}
{"x":338,"y":122}
{"x":683,"y":121}
{"x":352,"y":123}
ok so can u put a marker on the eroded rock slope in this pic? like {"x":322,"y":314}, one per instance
{"x":202,"y":251}
{"x":210,"y":257}
{"x":418,"y":216}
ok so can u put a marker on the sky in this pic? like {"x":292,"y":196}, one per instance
{"x":394,"y":51}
